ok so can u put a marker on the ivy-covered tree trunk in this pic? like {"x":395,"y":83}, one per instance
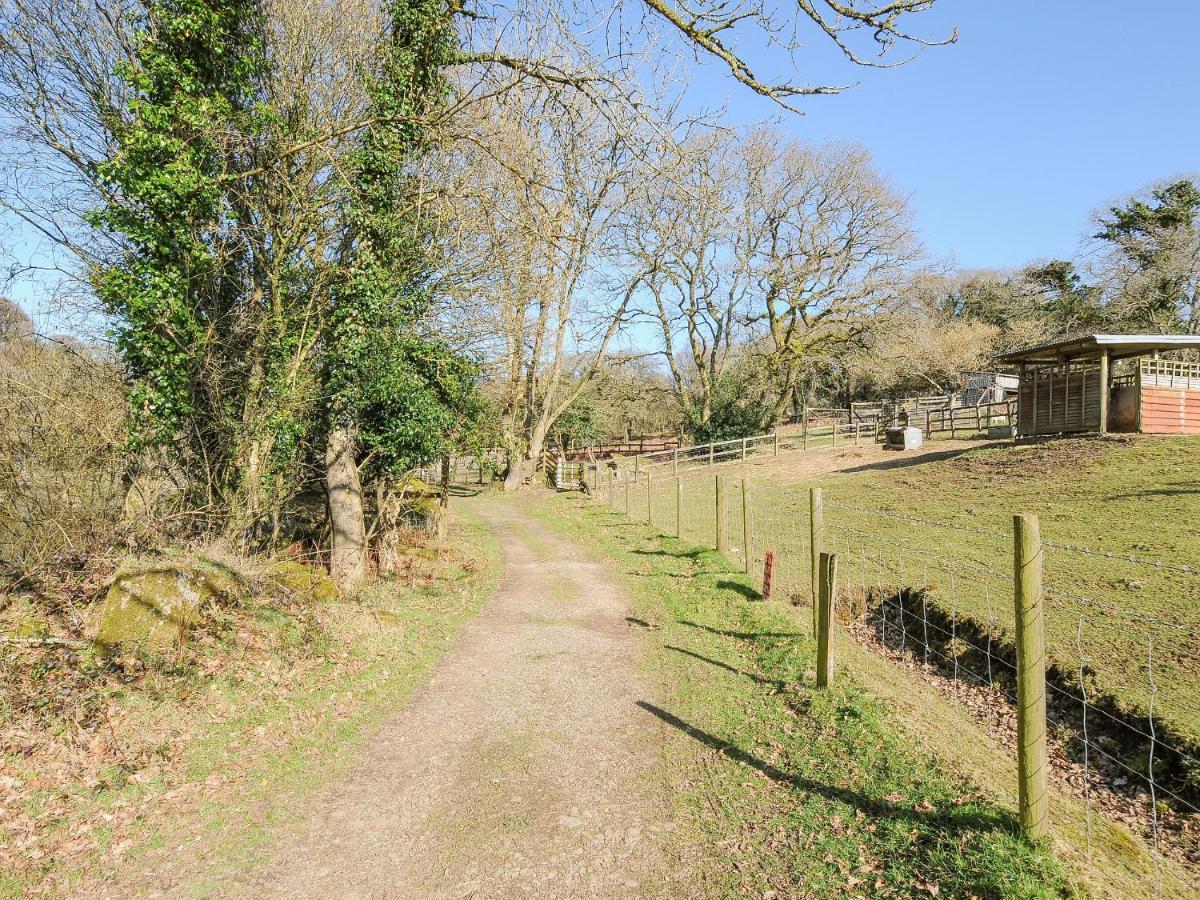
{"x":389,"y":506}
{"x":397,"y":393}
{"x":348,"y":550}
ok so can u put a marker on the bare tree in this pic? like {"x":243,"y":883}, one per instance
{"x":829,"y":244}
{"x":540,"y":184}
{"x":782,"y":247}
{"x":683,"y":261}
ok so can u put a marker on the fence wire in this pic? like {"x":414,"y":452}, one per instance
{"x":1121,"y":629}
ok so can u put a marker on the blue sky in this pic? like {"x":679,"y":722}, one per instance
{"x":1042,"y":112}
{"x":1006,"y":141}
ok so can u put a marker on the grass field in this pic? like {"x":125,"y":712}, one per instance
{"x":945,"y":526}
{"x":797,"y":792}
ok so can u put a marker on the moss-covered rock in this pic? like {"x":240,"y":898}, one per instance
{"x":153,"y":606}
{"x":302,"y":581}
{"x":411,"y":487}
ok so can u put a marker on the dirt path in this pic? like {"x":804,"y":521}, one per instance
{"x":523,"y":769}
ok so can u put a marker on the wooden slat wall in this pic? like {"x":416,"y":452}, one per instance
{"x":1067,"y":400}
{"x":1170,"y":410}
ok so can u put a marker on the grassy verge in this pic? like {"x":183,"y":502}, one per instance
{"x":794,"y":792}
{"x":191,"y":771}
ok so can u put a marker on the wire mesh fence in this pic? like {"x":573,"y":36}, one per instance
{"x":1121,"y":662}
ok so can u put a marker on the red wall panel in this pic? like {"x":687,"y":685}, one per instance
{"x":1167,"y":410}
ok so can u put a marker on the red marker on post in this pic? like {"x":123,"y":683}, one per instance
{"x":768,"y":575}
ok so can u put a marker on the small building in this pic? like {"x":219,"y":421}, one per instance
{"x":1108,"y":382}
{"x":986,"y":387}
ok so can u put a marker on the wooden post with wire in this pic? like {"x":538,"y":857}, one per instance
{"x":679,"y":507}
{"x":649,"y":501}
{"x":816,"y":539}
{"x":747,"y":537}
{"x":721,"y":542}
{"x":627,"y":498}
{"x":827,"y":597}
{"x":1033,"y":800}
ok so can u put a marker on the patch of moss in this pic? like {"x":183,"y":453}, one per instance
{"x":153,"y":605}
{"x":302,"y":581}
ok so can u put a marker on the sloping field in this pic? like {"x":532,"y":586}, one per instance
{"x":1120,"y":517}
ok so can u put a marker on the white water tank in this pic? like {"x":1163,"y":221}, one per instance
{"x":903,"y":437}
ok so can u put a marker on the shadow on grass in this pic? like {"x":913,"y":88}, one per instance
{"x":903,"y":461}
{"x":742,"y":635}
{"x":694,"y":553}
{"x":738,"y":588}
{"x":949,"y":820}
{"x":1177,"y":489}
{"x":757,"y":679}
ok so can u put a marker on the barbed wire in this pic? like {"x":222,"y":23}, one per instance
{"x":949,"y":563}
{"x":917,"y":520}
{"x":1108,"y":554}
{"x":777,"y":522}
{"x":1122,"y":613}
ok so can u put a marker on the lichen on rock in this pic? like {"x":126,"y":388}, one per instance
{"x":154,"y":605}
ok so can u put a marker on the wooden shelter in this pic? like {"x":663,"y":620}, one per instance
{"x":1108,"y":382}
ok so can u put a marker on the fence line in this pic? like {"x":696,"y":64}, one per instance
{"x":1119,"y":705}
{"x":688,"y":460}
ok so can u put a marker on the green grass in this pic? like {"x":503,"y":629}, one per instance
{"x":1135,"y":497}
{"x":794,"y":791}
{"x":1124,"y":496}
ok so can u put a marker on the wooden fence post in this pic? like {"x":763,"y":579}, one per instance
{"x":804,"y":427}
{"x":747,"y":537}
{"x":627,"y":497}
{"x":776,"y":434}
{"x":827,"y":597}
{"x":675,"y":461}
{"x":711,"y":458}
{"x":649,"y":501}
{"x":722,"y":543}
{"x":743,"y":449}
{"x":816,"y":539}
{"x":679,"y":507}
{"x":1031,"y":678}
{"x":1105,"y":388}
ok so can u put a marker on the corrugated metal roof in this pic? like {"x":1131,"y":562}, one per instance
{"x":1091,"y":345}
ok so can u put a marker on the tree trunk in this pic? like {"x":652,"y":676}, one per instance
{"x":387,"y":542}
{"x":348,"y":550}
{"x":526,"y":464}
{"x":444,"y":498}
